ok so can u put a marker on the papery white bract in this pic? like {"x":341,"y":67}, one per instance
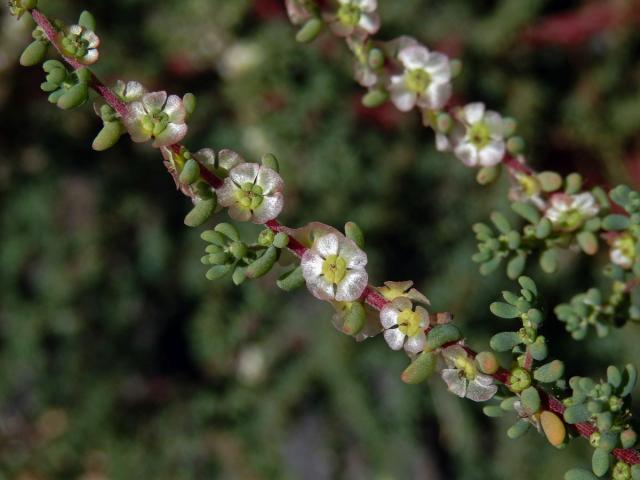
{"x":481,"y":140}
{"x":425,"y":80}
{"x":334,"y":268}
{"x":569,"y":212}
{"x":156,"y":116}
{"x":252,"y":192}
{"x":129,"y":91}
{"x":404,"y":326}
{"x":462,"y":376}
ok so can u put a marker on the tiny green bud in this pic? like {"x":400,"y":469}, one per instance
{"x":239,"y":275}
{"x":493,"y":411}
{"x":501,"y":222}
{"x":600,"y":462}
{"x":516,"y":265}
{"x":310,"y":30}
{"x":576,"y":414}
{"x":614,"y":376}
{"x":190,"y":102}
{"x":190,"y":172}
{"x":218,"y":271}
{"x":238,"y":249}
{"x":488,"y":175}
{"x":616,"y":222}
{"x":269,"y":160}
{"x":108,"y":136}
{"x":228,"y":231}
{"x":374,"y":98}
{"x":34,"y":53}
{"x":487,"y":362}
{"x":354,"y":318}
{"x":504,"y":310}
{"x":549,"y":261}
{"x":354,"y":232}
{"x":87,"y":20}
{"x":544,"y":228}
{"x":516,"y":145}
{"x":74,"y":97}
{"x":573,"y":183}
{"x":549,"y":181}
{"x":530,"y":399}
{"x":526,"y":211}
{"x":519,"y":379}
{"x":200,"y":213}
{"x":579,"y":474}
{"x":214,"y":237}
{"x":281,"y":240}
{"x":421,"y":368}
{"x":291,"y":280}
{"x":588,"y":242}
{"x":266,"y":237}
{"x":549,"y":372}
{"x":518,"y":429}
{"x":441,"y":335}
{"x":263,"y":264}
{"x":376,"y":58}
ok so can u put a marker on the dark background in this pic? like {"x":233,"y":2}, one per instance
{"x":118,"y":360}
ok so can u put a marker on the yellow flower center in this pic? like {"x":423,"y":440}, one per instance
{"x":529,"y":184}
{"x":409,"y":322}
{"x":349,"y":15}
{"x":479,"y":134}
{"x":249,"y":196}
{"x":417,"y":80}
{"x":466,"y":367}
{"x":334,"y":268}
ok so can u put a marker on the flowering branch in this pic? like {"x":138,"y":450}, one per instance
{"x":333,"y":264}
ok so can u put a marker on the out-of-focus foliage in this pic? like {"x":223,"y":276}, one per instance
{"x":119,"y":361}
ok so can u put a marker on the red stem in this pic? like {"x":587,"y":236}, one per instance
{"x":370,"y":295}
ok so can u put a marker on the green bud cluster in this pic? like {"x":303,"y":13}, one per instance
{"x":228,"y":254}
{"x":605,"y":404}
{"x":66,"y":89}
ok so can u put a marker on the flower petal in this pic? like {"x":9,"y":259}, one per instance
{"x":416,"y":56}
{"x":389,"y":315}
{"x":367,"y":5}
{"x":175,"y":109}
{"x":468,"y":153}
{"x":227,"y":193}
{"x":239,"y":213}
{"x":173,"y":133}
{"x":327,"y":245}
{"x":473,"y":112}
{"x":244,"y":173}
{"x":311,"y":265}
{"x":394,"y":338}
{"x":269,"y":180}
{"x":352,"y":285}
{"x":478,"y":392}
{"x":403,"y":99}
{"x":369,"y":22}
{"x":492,"y":154}
{"x":228,"y":159}
{"x":91,"y":56}
{"x":416,"y":343}
{"x":352,"y":254}
{"x":269,"y":209}
{"x":436,"y":96}
{"x":455,"y":383}
{"x":154,"y":101}
{"x":322,"y":289}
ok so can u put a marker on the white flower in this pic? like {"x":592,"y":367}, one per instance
{"x":252,"y":192}
{"x":569,"y":212}
{"x":481,"y":141}
{"x":623,"y":250}
{"x":354,"y":15}
{"x":79,"y":43}
{"x":334,"y":269}
{"x":526,"y":188}
{"x":365,"y":75}
{"x":425,"y":80}
{"x":404,"y":326}
{"x":157,"y":116}
{"x":462,"y":377}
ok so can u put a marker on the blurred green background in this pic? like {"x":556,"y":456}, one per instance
{"x":118,"y":360}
